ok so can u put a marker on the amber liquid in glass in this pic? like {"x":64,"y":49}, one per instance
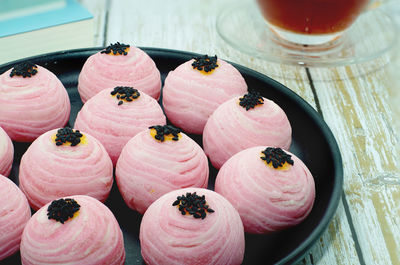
{"x":311,"y":16}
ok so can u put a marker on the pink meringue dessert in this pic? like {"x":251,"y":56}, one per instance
{"x":271,"y":188}
{"x":114,"y":116}
{"x":65,"y":162}
{"x":119,"y":65}
{"x":14,"y":214}
{"x":32,"y":101}
{"x":74,"y":230}
{"x":244,"y":122}
{"x":6,"y":153}
{"x":156,"y":161}
{"x":192,"y":226}
{"x":196,"y":88}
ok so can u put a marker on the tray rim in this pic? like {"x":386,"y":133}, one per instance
{"x":302,"y":249}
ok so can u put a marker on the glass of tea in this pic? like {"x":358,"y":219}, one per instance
{"x":308,"y":32}
{"x":310,"y":22}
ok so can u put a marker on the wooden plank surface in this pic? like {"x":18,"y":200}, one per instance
{"x":365,"y":228}
{"x":359,"y":111}
{"x":358,"y":114}
{"x":99,"y":10}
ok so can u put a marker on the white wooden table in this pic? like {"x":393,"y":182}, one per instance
{"x":366,"y":227}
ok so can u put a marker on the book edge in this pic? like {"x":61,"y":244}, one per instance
{"x":71,"y":12}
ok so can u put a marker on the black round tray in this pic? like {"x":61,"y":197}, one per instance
{"x":312,"y":142}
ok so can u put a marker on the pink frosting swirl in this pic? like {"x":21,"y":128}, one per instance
{"x":190,"y":97}
{"x":135,"y":69}
{"x":168,"y":237}
{"x":231,"y":129}
{"x":14,"y":214}
{"x":92,"y":236}
{"x":114,"y":125}
{"x":48,"y":171}
{"x":31,"y":106}
{"x":147,"y":168}
{"x":6,"y":153}
{"x":267,"y":199}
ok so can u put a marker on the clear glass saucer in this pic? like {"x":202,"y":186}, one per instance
{"x":372,"y":35}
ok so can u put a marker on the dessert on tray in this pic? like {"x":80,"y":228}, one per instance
{"x":14,"y":214}
{"x":6,"y":153}
{"x":192,"y":226}
{"x":243,"y":122}
{"x":271,"y":188}
{"x":196,"y":88}
{"x":156,"y":161}
{"x":115,"y":115}
{"x":74,"y":230}
{"x":65,"y":162}
{"x":119,"y":65}
{"x":32,"y":101}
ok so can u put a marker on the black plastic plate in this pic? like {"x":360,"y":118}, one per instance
{"x":312,"y":142}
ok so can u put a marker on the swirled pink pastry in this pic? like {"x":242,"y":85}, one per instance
{"x":65,"y":162}
{"x":14,"y":214}
{"x":114,"y":116}
{"x":196,"y":88}
{"x":271,"y":188}
{"x":243,"y":122}
{"x":157,"y":161}
{"x":192,"y":226}
{"x":6,"y":153}
{"x":74,"y":230}
{"x":119,"y":65}
{"x":32,"y":101}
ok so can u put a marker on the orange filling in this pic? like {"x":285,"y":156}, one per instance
{"x":83,"y":140}
{"x":75,"y":215}
{"x":285,"y":166}
{"x":256,"y":106}
{"x":112,"y":52}
{"x":124,"y":99}
{"x":206,"y":73}
{"x":167,"y":137}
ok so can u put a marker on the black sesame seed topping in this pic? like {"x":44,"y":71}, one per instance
{"x":251,"y":99}
{"x":276,"y":156}
{"x":193,"y":204}
{"x":125,"y":93}
{"x":68,"y":135}
{"x":25,"y":69}
{"x":63,"y":209}
{"x":164,"y":130}
{"x":205,"y":63}
{"x":116,"y":49}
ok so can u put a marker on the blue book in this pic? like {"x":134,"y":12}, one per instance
{"x":17,"y":8}
{"x":67,"y":26}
